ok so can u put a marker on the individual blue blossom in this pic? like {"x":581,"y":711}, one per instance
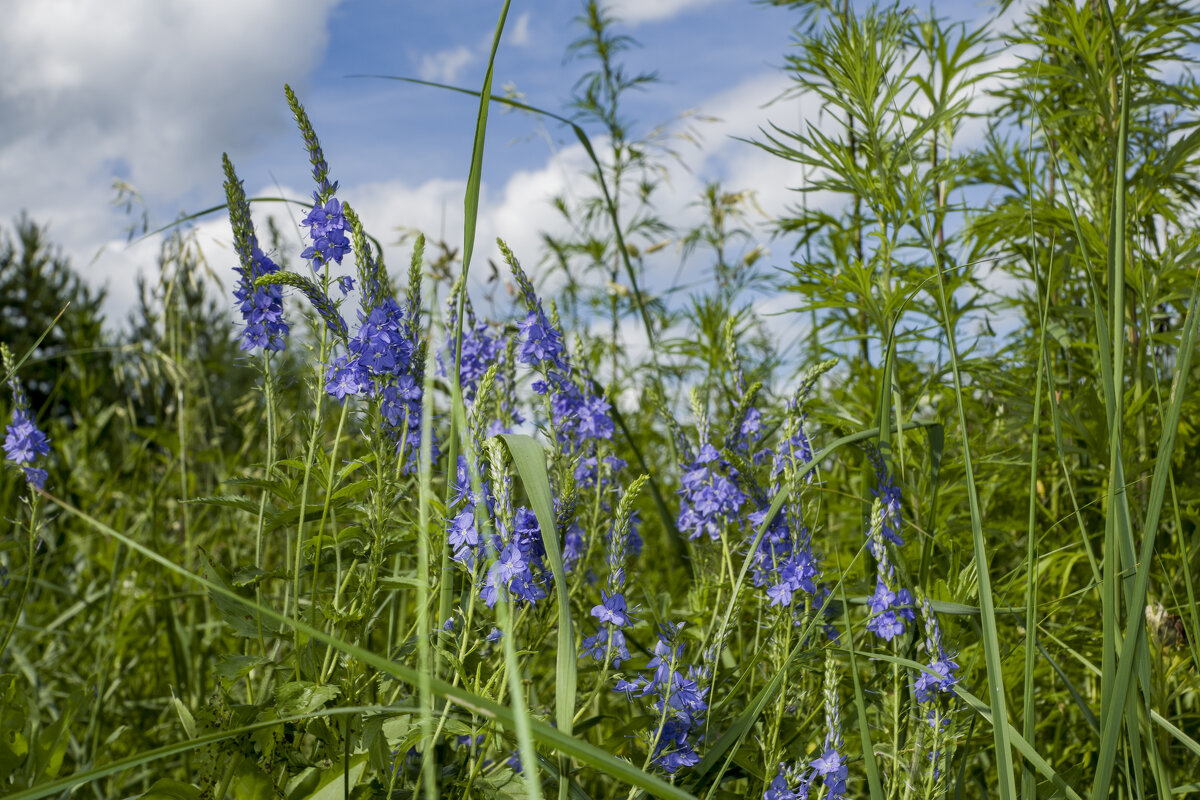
{"x":832,"y":768}
{"x":464,"y":538}
{"x":612,"y":610}
{"x":345,"y":284}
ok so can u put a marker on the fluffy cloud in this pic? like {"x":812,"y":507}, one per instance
{"x":635,"y":11}
{"x":445,"y":66}
{"x":150,"y":91}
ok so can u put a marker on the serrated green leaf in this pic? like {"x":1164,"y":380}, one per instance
{"x":298,"y":698}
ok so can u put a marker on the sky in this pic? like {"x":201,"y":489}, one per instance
{"x":152,"y":92}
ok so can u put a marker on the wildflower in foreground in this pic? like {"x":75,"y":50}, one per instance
{"x":25,"y":441}
{"x":678,"y":703}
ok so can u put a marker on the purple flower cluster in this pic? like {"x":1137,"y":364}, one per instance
{"x":581,"y":418}
{"x":889,"y":609}
{"x":927,"y":687}
{"x":789,"y":785}
{"x":784,"y":561}
{"x":832,"y":769}
{"x":25,"y":441}
{"x":380,"y":363}
{"x":480,"y":350}
{"x":608,"y":645}
{"x":711,"y":497}
{"x":261,"y":307}
{"x":521,"y":567}
{"x":891,"y":606}
{"x":327,"y":230}
{"x":677,"y":701}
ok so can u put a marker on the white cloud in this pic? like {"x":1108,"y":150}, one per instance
{"x":519,"y":36}
{"x":148,"y":90}
{"x":635,"y":11}
{"x":445,"y":66}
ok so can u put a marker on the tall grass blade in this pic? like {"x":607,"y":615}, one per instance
{"x":530,"y":461}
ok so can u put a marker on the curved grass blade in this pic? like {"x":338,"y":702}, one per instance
{"x":530,"y":460}
{"x":545,"y":734}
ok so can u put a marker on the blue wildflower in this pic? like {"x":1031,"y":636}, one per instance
{"x":833,"y":771}
{"x":926,"y":687}
{"x":541,"y":343}
{"x":678,"y":702}
{"x":261,"y":307}
{"x":711,"y":498}
{"x":24,"y":441}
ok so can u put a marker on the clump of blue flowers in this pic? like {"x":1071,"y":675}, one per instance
{"x":261,"y":307}
{"x":678,"y":702}
{"x":24,"y":442}
{"x":608,"y":645}
{"x":890,"y":606}
{"x":927,"y":687}
{"x":581,"y":418}
{"x":784,"y":561}
{"x":711,"y":498}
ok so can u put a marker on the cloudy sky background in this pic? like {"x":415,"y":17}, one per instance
{"x":153,"y":91}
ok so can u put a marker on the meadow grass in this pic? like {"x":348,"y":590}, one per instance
{"x":359,"y":541}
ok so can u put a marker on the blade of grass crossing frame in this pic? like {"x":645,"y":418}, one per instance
{"x":530,"y":461}
{"x":991,"y":642}
{"x":874,"y":784}
{"x":1117,"y":673}
{"x":520,"y":712}
{"x":548,"y":735}
{"x":1134,"y":640}
{"x":425,"y":491}
{"x":1028,"y":727}
{"x":609,"y":205}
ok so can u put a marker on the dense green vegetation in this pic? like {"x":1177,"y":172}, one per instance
{"x":369,"y":544}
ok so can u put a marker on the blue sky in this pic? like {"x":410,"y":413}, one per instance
{"x":153,"y":91}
